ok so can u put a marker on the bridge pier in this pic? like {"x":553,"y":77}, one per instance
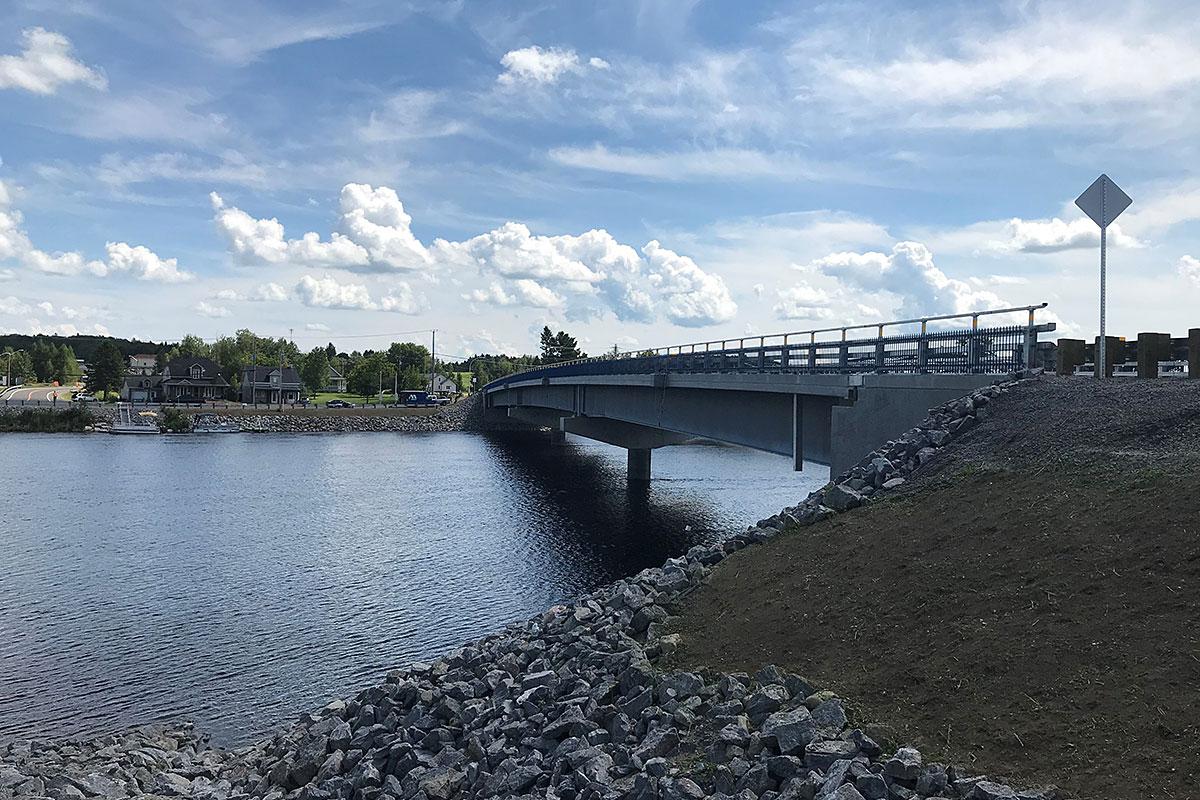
{"x":638,"y":462}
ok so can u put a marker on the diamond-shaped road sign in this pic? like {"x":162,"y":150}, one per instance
{"x":1103,"y":201}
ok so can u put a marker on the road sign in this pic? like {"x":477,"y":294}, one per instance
{"x":1103,"y":201}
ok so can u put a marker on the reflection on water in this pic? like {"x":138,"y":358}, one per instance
{"x":238,"y":580}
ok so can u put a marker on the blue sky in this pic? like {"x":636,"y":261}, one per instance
{"x":639,"y":173}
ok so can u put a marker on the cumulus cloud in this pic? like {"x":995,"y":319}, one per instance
{"x":803,"y":302}
{"x":373,"y":235}
{"x":144,"y":264}
{"x":909,"y":274}
{"x":328,"y":292}
{"x":208,"y":310}
{"x":522,"y":292}
{"x":1189,"y":268}
{"x":316,"y":326}
{"x":1055,"y":235}
{"x":45,"y":64}
{"x":586,"y":275}
{"x":536,"y":65}
{"x":136,"y":260}
{"x":264,"y":293}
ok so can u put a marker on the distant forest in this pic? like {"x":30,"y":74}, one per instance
{"x":84,"y":346}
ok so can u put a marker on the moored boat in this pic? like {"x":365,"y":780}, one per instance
{"x":210,"y":423}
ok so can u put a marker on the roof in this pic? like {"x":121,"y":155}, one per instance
{"x":144,"y":355}
{"x":334,"y":374}
{"x":263,"y":374}
{"x":180,"y":370}
{"x":142,"y":381}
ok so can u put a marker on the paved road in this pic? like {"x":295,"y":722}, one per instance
{"x":43,"y":393}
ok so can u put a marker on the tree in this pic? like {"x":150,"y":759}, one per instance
{"x":108,"y":369}
{"x":369,"y":373}
{"x":559,"y":346}
{"x":412,"y":378}
{"x":17,"y":366}
{"x":314,"y":369}
{"x":330,"y":351}
{"x":64,"y":365}
{"x":408,"y":354}
{"x":43,"y":354}
{"x":193,"y":346}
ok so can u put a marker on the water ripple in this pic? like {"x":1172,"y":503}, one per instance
{"x":237,"y":581}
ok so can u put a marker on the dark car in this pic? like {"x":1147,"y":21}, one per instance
{"x":339,"y":404}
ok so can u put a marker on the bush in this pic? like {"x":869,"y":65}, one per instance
{"x":175,"y":421}
{"x":38,"y":420}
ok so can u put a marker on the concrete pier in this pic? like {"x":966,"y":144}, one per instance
{"x":1194,"y":353}
{"x":1070,"y":354}
{"x":1152,"y":348}
{"x":638,"y":462}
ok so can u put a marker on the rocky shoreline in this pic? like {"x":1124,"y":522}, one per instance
{"x":576,"y":703}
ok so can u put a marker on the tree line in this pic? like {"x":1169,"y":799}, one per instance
{"x":43,"y":361}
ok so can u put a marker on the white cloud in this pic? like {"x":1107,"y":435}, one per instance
{"x":587,"y":274}
{"x":144,"y":264}
{"x":138,"y":261}
{"x":208,"y":310}
{"x":909,"y":274}
{"x":598,"y":63}
{"x":537,"y":65}
{"x":328,"y":292}
{"x":1189,"y":268}
{"x":803,"y":302}
{"x":7,"y":275}
{"x":692,"y":297}
{"x":375,"y":235}
{"x":1011,"y":73}
{"x":316,"y":326}
{"x":521,"y":292}
{"x":375,"y":220}
{"x":231,"y":167}
{"x":723,"y":163}
{"x":264,"y":293}
{"x":13,"y":307}
{"x":1055,"y":235}
{"x":45,"y":64}
{"x":483,"y":341}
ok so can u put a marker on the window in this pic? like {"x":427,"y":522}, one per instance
{"x":196,"y":371}
{"x":274,"y":379}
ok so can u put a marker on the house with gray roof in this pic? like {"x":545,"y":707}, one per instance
{"x":266,"y":384}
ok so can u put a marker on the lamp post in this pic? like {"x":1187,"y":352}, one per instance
{"x":8,"y":368}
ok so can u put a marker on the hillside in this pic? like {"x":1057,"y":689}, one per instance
{"x":1024,"y":605}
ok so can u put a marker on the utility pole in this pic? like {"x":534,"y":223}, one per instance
{"x":432,"y":357}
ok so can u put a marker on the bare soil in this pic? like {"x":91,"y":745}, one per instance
{"x":1027,"y":609}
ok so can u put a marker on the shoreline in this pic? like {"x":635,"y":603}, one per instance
{"x":568,"y":703}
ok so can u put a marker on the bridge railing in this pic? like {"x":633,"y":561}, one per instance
{"x":935,"y":348}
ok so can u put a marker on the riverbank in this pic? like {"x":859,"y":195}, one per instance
{"x":1023,"y":605}
{"x":580,"y":701}
{"x":466,"y":414}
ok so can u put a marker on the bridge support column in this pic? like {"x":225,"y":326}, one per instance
{"x":558,"y":438}
{"x":797,"y":433}
{"x":638,"y":461}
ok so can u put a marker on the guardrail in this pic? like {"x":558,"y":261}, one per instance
{"x":989,"y":350}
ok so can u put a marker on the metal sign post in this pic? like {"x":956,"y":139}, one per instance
{"x":1103,"y":202}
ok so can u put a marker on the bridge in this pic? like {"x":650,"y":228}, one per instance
{"x":825,"y":396}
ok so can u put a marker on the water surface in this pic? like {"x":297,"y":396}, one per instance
{"x":240,"y":580}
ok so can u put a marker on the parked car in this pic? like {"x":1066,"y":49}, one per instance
{"x":339,"y":404}
{"x":83,"y":397}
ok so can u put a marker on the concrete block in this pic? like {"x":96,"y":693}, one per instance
{"x":1070,"y":354}
{"x":1194,"y":353}
{"x":1152,"y":348}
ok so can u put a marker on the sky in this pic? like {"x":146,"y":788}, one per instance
{"x":637,"y":173}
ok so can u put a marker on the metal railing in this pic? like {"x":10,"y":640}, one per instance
{"x":989,"y":350}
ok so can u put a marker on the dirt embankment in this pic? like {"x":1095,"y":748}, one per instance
{"x":1026,"y":607}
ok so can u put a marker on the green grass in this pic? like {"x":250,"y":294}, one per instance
{"x":321,"y":398}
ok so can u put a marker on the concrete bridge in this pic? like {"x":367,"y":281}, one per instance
{"x":803,"y":395}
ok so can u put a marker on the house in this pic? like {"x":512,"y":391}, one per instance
{"x":142,"y":389}
{"x":336,"y":382}
{"x":443,"y":385}
{"x":192,"y":379}
{"x":270,"y":385}
{"x":143,"y":364}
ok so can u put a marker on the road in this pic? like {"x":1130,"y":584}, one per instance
{"x":42,"y":393}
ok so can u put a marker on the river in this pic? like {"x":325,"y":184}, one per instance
{"x":239,"y":580}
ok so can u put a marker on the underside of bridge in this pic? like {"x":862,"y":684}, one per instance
{"x":823,"y":418}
